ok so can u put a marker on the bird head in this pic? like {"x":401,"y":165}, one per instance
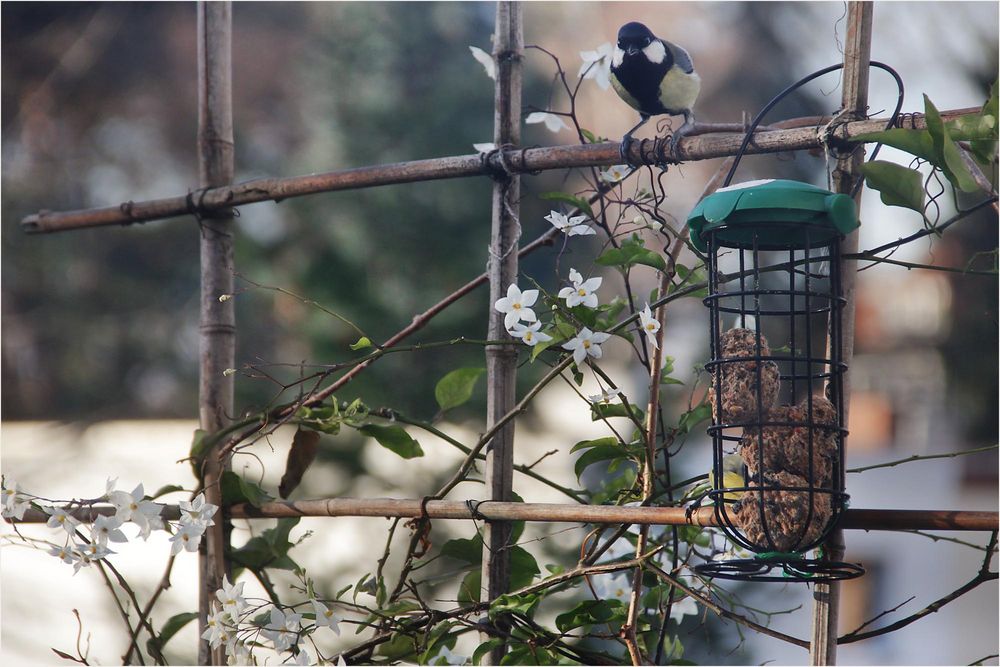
{"x":634,"y":37}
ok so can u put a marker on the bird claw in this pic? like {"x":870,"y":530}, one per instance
{"x":623,"y":150}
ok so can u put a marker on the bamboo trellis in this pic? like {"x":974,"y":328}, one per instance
{"x":214,"y":203}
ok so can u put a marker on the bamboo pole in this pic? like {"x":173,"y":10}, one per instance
{"x":218,"y":322}
{"x":852,"y":519}
{"x":501,"y":360}
{"x":701,"y":147}
{"x":854,"y":103}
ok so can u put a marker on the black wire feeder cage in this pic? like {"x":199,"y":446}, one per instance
{"x":775,"y":301}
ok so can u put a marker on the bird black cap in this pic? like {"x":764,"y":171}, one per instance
{"x":633,"y":31}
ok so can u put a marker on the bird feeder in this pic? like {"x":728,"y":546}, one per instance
{"x":775,"y":301}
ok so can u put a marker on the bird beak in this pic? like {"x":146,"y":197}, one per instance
{"x":632,"y":51}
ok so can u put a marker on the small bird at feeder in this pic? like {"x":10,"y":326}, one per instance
{"x":654,"y":77}
{"x":732,"y":477}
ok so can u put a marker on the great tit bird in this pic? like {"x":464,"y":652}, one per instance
{"x":654,"y":77}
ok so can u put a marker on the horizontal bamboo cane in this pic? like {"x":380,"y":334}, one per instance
{"x":701,"y":147}
{"x":858,"y":519}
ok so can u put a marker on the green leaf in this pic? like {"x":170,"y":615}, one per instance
{"x":199,"y":445}
{"x":362,"y":343}
{"x":946,"y":151}
{"x":577,"y":202}
{"x":397,"y":648}
{"x":600,"y":411}
{"x":607,"y":441}
{"x":469,"y":589}
{"x":483,"y":650}
{"x":523,"y":567}
{"x":170,"y":628}
{"x":914,"y":142}
{"x":395,"y":439}
{"x":523,"y":605}
{"x":470,"y":551}
{"x":589,"y":136}
{"x":632,"y":251}
{"x":235,"y":489}
{"x":269,"y":549}
{"x":897,"y":185}
{"x":976,"y":126}
{"x":590,"y":612}
{"x":456,"y":387}
{"x":596,"y":455}
{"x":693,"y":417}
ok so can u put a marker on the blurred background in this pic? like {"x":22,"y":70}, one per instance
{"x":99,"y":327}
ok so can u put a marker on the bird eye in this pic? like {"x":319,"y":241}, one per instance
{"x":646,"y":41}
{"x":621,"y":45}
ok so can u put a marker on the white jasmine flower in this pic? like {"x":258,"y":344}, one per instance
{"x":599,"y":63}
{"x":683,"y":607}
{"x":187,"y":537}
{"x":340,"y":661}
{"x":530,"y":334}
{"x":616,"y":173}
{"x":237,"y":651}
{"x":303,"y":658}
{"x":516,"y":306}
{"x":107,"y":528}
{"x":606,"y":396}
{"x":132,"y":507}
{"x":612,"y":587}
{"x":215,"y":627}
{"x":231,"y":597}
{"x":325,"y":616}
{"x":582,"y":291}
{"x":283,"y":629}
{"x":109,"y":487}
{"x":58,"y":518}
{"x":575,"y":226}
{"x":552,"y":122}
{"x":485,"y":148}
{"x":486,"y":60}
{"x":14,"y":503}
{"x":649,"y":325}
{"x":63,"y":553}
{"x":197,"y":511}
{"x":586,"y":343}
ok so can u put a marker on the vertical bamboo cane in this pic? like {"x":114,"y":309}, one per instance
{"x":501,"y":360}
{"x":854,"y":101}
{"x":218,"y":322}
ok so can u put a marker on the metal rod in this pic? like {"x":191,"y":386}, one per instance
{"x":532,"y":159}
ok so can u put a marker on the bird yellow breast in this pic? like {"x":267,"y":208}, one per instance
{"x":679,"y":90}
{"x":624,"y":94}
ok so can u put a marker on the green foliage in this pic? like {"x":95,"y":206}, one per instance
{"x":591,"y":612}
{"x":361,"y":344}
{"x":170,"y":628}
{"x":456,"y":387}
{"x":236,"y":489}
{"x":897,"y":185}
{"x":902,"y":186}
{"x":269,"y":549}
{"x":633,"y":251}
{"x":395,"y":439}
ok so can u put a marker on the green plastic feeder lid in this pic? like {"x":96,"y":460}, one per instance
{"x":784,"y":214}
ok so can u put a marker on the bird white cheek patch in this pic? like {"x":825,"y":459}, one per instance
{"x":655,"y":52}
